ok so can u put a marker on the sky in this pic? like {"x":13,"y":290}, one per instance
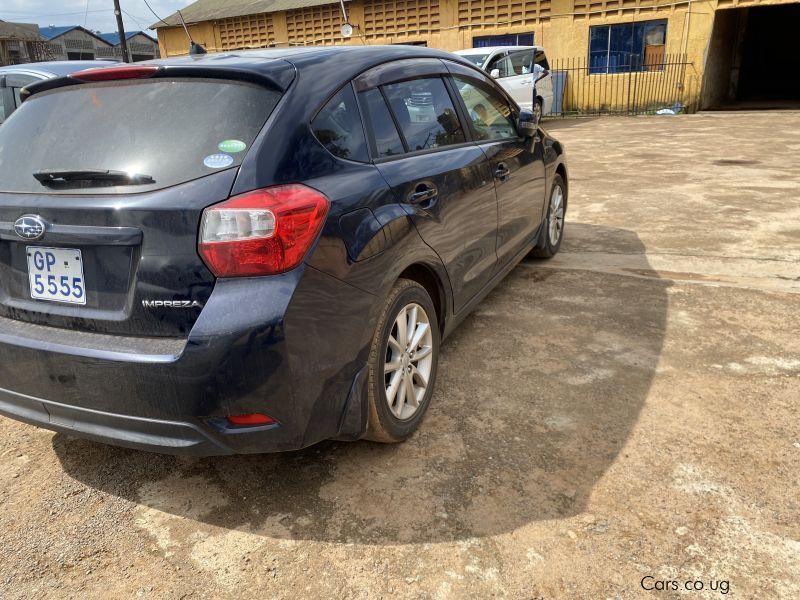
{"x":97,"y":15}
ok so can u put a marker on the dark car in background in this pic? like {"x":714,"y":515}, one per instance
{"x":259,"y":250}
{"x":15,"y":77}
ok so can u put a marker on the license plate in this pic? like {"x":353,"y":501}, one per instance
{"x":56,"y":274}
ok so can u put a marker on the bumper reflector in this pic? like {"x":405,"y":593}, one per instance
{"x":250,"y":420}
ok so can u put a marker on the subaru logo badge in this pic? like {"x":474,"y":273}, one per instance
{"x":30,"y":227}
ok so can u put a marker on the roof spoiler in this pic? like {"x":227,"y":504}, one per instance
{"x":279,"y":80}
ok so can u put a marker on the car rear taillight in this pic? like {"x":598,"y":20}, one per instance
{"x":112,"y":73}
{"x":263,"y":232}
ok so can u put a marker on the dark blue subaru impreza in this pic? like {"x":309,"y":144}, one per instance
{"x":256,"y":251}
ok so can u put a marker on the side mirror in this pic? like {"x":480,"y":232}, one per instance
{"x":494,"y":73}
{"x":527,"y":125}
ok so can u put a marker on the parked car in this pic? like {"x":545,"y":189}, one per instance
{"x":512,"y":66}
{"x":16,"y":77}
{"x":260,"y":250}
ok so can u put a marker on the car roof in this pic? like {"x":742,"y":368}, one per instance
{"x":234,"y":58}
{"x":279,"y":67}
{"x":47,"y":70}
{"x":347,"y":61}
{"x":490,"y":49}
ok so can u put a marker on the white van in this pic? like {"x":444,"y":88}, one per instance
{"x":512,"y":67}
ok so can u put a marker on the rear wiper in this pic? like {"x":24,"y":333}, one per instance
{"x":56,"y":176}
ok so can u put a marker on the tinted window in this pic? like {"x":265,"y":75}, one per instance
{"x":424,"y":113}
{"x":385,"y":138}
{"x":338,"y":127}
{"x":173,"y":131}
{"x":514,"y":39}
{"x":516,"y":63}
{"x":490,"y":114}
{"x":626,"y":47}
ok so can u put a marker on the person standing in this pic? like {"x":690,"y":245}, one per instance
{"x":538,"y":72}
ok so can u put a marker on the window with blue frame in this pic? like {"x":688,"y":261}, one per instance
{"x":627,"y":47}
{"x":518,"y":39}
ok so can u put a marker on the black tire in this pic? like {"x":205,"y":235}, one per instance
{"x":547,"y":248}
{"x":383,"y":425}
{"x":538,"y":109}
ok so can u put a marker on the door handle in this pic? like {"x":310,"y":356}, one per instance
{"x":423,"y":194}
{"x":502,"y":172}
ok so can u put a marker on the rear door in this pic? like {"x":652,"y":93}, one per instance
{"x":516,"y":164}
{"x":516,"y":76}
{"x":116,"y":253}
{"x":444,"y":181}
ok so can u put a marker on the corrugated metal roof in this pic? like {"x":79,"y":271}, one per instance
{"x":19,"y":31}
{"x":208,"y":10}
{"x":113,"y":37}
{"x":50,"y":33}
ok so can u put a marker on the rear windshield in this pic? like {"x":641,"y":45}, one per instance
{"x":170,"y":131}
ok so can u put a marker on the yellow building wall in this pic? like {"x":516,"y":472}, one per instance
{"x":561,"y":26}
{"x":686,"y":39}
{"x":172,"y":41}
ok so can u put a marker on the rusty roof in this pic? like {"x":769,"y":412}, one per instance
{"x":209,"y":10}
{"x":19,"y":31}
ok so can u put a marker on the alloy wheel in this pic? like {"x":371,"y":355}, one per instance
{"x":409,"y":358}
{"x":556,"y":218}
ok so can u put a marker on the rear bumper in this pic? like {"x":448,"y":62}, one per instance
{"x":168,"y":437}
{"x":274,"y":345}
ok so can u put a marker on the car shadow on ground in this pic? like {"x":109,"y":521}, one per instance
{"x":538,"y":392}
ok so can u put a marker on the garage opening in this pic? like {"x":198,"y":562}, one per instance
{"x":753,"y":60}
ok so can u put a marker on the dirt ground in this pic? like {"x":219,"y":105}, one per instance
{"x":624,"y":413}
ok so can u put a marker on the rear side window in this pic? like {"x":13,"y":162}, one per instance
{"x":338,"y":127}
{"x":384,"y":134}
{"x":425,"y":113}
{"x":170,"y":130}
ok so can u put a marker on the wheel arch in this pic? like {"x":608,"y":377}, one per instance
{"x":429,"y":279}
{"x":561,"y":169}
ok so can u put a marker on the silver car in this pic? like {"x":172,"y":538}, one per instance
{"x":512,"y":67}
{"x":16,"y":77}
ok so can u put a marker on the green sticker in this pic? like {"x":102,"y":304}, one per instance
{"x":232,"y":146}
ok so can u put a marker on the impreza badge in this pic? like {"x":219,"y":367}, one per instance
{"x":171,"y":304}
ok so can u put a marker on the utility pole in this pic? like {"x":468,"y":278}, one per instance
{"x":121,"y":31}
